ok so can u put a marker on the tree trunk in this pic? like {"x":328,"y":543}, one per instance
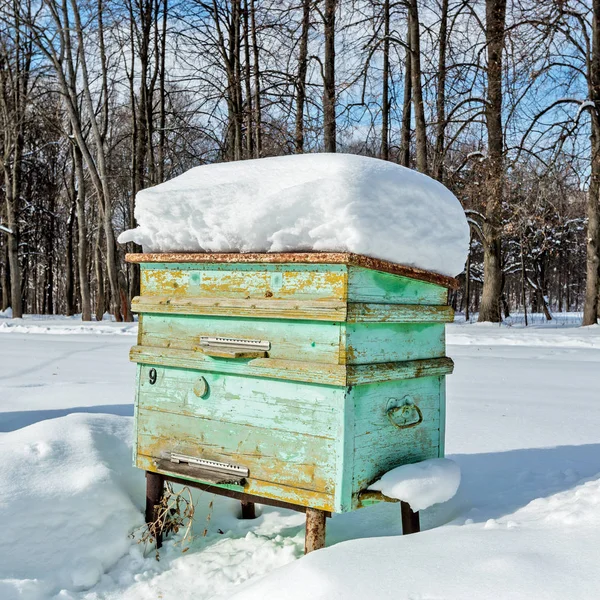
{"x":248,"y":87}
{"x":16,"y":301}
{"x":49,"y":279}
{"x":590,"y":307}
{"x":143,"y":137}
{"x":438,"y":161}
{"x":417,"y":90}
{"x":489,"y":309}
{"x":5,"y":278}
{"x":301,"y":78}
{"x":523,"y":284}
{"x":468,"y":283}
{"x":162,"y":119}
{"x":257,"y":109}
{"x":82,"y":245}
{"x":237,"y":78}
{"x":385,"y":100}
{"x":329,"y":125}
{"x":99,"y":272}
{"x":112,"y":268}
{"x":560,"y":283}
{"x":69,"y":268}
{"x":505,"y":306}
{"x":492,"y":267}
{"x":406,"y":106}
{"x":542,"y":302}
{"x":136,"y":172}
{"x":543,"y":289}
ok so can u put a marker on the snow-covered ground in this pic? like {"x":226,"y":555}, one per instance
{"x":51,"y":366}
{"x":523,"y":425}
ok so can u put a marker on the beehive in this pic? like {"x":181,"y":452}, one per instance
{"x":329,"y":371}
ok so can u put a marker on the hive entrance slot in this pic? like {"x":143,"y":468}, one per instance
{"x":206,"y":470}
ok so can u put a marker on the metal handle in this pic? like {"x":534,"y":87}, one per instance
{"x":223,"y":347}
{"x":408,"y":405}
{"x":241,"y":344}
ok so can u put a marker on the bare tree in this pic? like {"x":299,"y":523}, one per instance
{"x":301,"y":78}
{"x":417,"y":91}
{"x":329,"y":124}
{"x":385,"y":91}
{"x":406,"y":104}
{"x":438,"y":159}
{"x":492,"y":264}
{"x":82,"y":243}
{"x":136,"y":92}
{"x":65,"y":48}
{"x":16,"y":55}
{"x":590,"y":310}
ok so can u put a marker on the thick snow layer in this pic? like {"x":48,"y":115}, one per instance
{"x":545,"y":551}
{"x":308,"y":202}
{"x":421,"y":484}
{"x":65,"y":505}
{"x":522,"y":424}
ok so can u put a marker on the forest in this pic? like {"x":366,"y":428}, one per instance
{"x":497,"y":99}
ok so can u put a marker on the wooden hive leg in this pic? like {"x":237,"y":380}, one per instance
{"x":410,"y":519}
{"x":155,"y":486}
{"x":248,"y":510}
{"x":315,"y":530}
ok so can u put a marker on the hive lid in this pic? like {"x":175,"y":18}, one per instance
{"x":342,"y":258}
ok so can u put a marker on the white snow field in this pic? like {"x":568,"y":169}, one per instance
{"x":319,"y":202}
{"x":523,"y":425}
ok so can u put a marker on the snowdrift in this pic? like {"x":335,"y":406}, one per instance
{"x":66,"y":507}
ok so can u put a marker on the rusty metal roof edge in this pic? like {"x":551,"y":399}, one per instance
{"x":346,"y":258}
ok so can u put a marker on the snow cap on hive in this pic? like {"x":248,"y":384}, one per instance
{"x":421,"y":484}
{"x":307,"y":202}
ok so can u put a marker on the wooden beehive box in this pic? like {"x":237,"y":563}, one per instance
{"x":349,"y":384}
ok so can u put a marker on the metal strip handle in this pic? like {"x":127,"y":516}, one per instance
{"x":213,"y":465}
{"x":222,"y":347}
{"x":241,"y":344}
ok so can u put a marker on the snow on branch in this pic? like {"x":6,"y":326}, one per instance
{"x":6,"y":229}
{"x":475,"y":213}
{"x":510,"y":268}
{"x":477,"y":227}
{"x":478,"y":153}
{"x":585,"y":105}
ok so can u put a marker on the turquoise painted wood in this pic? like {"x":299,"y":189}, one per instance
{"x":352,"y":385}
{"x":379,"y":444}
{"x":368,"y":343}
{"x":295,"y":407}
{"x":366,"y":285}
{"x":315,"y":341}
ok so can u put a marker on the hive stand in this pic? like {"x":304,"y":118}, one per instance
{"x":314,"y":538}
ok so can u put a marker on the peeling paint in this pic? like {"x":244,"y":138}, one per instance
{"x":310,"y":420}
